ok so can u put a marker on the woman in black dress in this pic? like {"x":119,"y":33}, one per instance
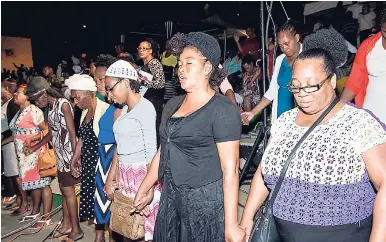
{"x":199,"y":153}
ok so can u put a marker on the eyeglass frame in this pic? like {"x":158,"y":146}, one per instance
{"x":138,"y":49}
{"x":112,"y":88}
{"x":318,"y":86}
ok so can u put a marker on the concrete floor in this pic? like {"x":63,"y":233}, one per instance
{"x":10,"y":223}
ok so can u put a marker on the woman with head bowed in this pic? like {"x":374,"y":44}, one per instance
{"x":334,"y":189}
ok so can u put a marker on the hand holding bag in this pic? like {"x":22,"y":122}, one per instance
{"x":132,"y":226}
{"x":264,"y":229}
{"x":47,"y":162}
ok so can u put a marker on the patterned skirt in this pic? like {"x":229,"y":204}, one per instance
{"x":102,"y":203}
{"x":131,"y":177}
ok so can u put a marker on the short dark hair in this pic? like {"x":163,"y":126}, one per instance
{"x":104,"y":61}
{"x":291,"y":26}
{"x":383,"y":15}
{"x":248,"y":59}
{"x":154,"y":47}
{"x":120,"y":44}
{"x":322,"y":54}
{"x":10,"y":84}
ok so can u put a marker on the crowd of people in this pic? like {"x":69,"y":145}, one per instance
{"x":165,"y":129}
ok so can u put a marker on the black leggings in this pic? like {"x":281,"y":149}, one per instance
{"x":158,"y":104}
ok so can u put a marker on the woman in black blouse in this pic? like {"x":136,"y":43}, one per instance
{"x":148,"y":51}
{"x":199,"y":153}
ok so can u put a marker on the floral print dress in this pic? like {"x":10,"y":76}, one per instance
{"x":25,"y":125}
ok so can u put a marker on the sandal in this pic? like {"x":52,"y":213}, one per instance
{"x":59,"y":234}
{"x":11,"y":206}
{"x":29,"y":218}
{"x":68,"y":239}
{"x":7,"y":200}
{"x":42,"y":222}
{"x":18,"y":213}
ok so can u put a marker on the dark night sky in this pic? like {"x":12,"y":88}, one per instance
{"x":56,"y":27}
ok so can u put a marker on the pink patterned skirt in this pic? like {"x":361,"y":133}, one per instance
{"x":131,"y":177}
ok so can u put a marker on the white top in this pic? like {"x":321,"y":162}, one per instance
{"x":4,"y":118}
{"x":356,"y":9}
{"x":376,"y":89}
{"x":366,"y":21}
{"x":135,"y":133}
{"x":273,"y":90}
{"x":351,"y":131}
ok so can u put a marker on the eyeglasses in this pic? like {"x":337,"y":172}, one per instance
{"x":309,"y":89}
{"x":143,"y":49}
{"x":112,"y":88}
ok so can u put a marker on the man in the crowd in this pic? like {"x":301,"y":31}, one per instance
{"x":251,"y":45}
{"x":52,"y":79}
{"x":121,"y":54}
{"x":350,"y":28}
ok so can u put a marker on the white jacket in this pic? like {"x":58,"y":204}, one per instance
{"x":273,"y":90}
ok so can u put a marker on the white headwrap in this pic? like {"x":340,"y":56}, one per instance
{"x":122,"y":69}
{"x":81,"y":83}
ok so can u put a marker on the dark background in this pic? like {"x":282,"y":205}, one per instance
{"x":56,"y":27}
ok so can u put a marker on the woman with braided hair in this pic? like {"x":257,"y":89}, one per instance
{"x":277,"y":94}
{"x":199,"y":153}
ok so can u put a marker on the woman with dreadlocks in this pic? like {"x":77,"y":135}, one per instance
{"x":199,"y":153}
{"x":282,"y":100}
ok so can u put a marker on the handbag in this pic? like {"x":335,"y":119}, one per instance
{"x":47,"y":162}
{"x":264,"y":229}
{"x":132,"y":226}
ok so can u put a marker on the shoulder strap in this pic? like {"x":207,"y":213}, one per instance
{"x":276,"y":189}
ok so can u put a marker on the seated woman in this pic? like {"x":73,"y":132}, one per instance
{"x":251,"y":77}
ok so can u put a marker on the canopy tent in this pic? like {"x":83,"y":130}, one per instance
{"x":316,"y":7}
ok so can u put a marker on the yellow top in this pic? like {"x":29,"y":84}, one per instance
{"x":169,"y":61}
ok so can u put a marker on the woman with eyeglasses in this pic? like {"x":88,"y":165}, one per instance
{"x":28,"y":127}
{"x":277,"y":94}
{"x":148,"y":51}
{"x":83,"y":92}
{"x":334,"y":189}
{"x":63,"y":139}
{"x":135,"y":134}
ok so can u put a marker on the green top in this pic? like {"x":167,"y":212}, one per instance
{"x":102,"y":98}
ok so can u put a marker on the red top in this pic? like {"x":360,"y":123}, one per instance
{"x":251,"y":46}
{"x":359,"y":77}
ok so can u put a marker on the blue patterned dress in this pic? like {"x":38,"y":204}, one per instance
{"x":106,"y":151}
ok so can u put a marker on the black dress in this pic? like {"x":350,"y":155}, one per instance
{"x":89,"y":161}
{"x":185,"y":214}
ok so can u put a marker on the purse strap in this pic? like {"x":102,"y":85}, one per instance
{"x":276,"y":189}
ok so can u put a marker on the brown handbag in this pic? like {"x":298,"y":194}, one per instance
{"x":132,"y":226}
{"x":47,"y":162}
